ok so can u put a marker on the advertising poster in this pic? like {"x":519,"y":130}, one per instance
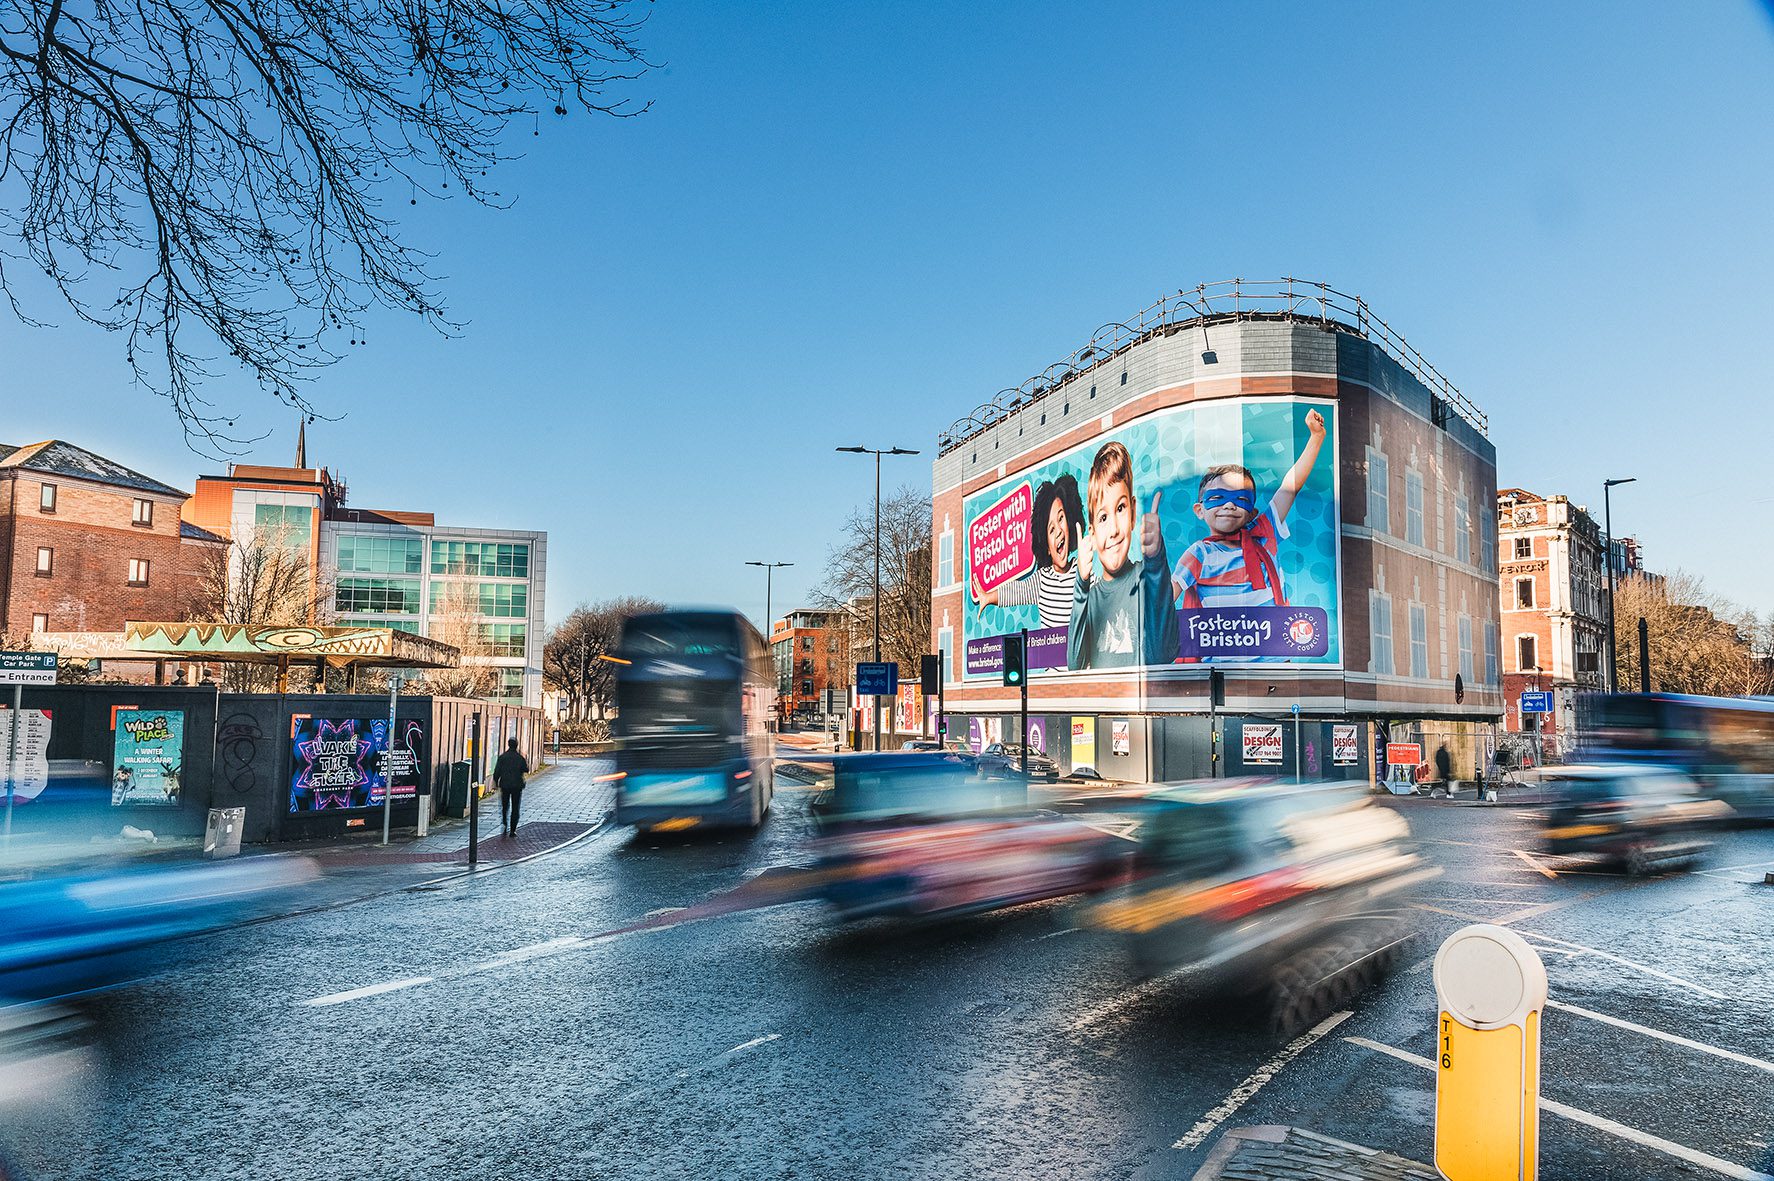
{"x":1345,"y":744}
{"x":1120,"y":738}
{"x":908,"y":710}
{"x":31,"y":761}
{"x":148,"y":755}
{"x":340,"y":763}
{"x":1083,"y":743}
{"x":1195,"y":534}
{"x":1262,"y":742}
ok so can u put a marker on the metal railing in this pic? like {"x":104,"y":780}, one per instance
{"x":1229,"y":300}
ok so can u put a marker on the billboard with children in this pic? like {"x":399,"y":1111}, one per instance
{"x":1196,"y":534}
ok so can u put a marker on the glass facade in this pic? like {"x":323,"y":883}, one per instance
{"x":483,"y":559}
{"x":399,"y":625}
{"x":509,"y":686}
{"x":504,"y":600}
{"x":504,"y":639}
{"x":380,"y":555}
{"x":286,"y":524}
{"x":381,"y":596}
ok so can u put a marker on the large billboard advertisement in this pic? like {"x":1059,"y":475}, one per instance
{"x":1195,"y":534}
{"x":343,"y":762}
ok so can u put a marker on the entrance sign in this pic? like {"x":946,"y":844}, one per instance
{"x":1536,"y":701}
{"x":1490,"y":988}
{"x":1403,"y":754}
{"x":27,"y":668}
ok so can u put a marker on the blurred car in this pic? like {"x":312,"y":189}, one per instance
{"x":1006,"y":759}
{"x":1641,"y":817}
{"x":918,"y":834}
{"x":1266,"y":888}
{"x":953,"y":747}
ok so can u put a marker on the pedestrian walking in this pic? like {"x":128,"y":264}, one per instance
{"x":1444,"y":768}
{"x":508,"y":777}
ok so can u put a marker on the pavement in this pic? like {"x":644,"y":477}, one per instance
{"x":609,"y":1010}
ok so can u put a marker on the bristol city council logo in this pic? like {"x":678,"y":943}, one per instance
{"x":1302,"y":631}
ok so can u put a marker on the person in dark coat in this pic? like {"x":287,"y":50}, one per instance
{"x":508,"y":777}
{"x":1444,"y":768}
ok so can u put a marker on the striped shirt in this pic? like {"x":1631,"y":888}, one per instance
{"x":1213,"y":573}
{"x":1050,"y":590}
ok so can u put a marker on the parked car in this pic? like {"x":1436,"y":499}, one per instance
{"x":1005,"y":759}
{"x":1639,"y":816}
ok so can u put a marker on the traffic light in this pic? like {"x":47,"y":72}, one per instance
{"x":1015,"y":661}
{"x":929,"y":674}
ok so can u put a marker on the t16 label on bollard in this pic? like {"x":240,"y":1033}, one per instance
{"x":1490,"y":988}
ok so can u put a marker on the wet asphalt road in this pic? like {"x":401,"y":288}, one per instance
{"x":769,"y":1044}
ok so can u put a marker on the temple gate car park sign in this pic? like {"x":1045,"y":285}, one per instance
{"x":27,"y":668}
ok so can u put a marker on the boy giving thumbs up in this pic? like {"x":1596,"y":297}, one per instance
{"x":1123,"y":612}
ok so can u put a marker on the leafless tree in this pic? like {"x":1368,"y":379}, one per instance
{"x":236,"y":165}
{"x":258,"y":579}
{"x":849,"y":584}
{"x":571,"y":660}
{"x":455,"y":621}
{"x":1699,"y":641}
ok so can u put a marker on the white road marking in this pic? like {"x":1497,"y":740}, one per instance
{"x":1108,"y":1009}
{"x":1522,"y":853}
{"x":742,"y":1047}
{"x":688,"y":1071}
{"x":1242,"y":1093}
{"x":357,"y":994}
{"x":1722,"y":871}
{"x":1636,"y":966}
{"x":1056,"y":934}
{"x":1601,"y":1123}
{"x":1676,"y":1039}
{"x":518,"y":955}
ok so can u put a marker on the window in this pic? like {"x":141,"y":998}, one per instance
{"x":377,"y":596}
{"x":1413,"y":506}
{"x":142,"y":514}
{"x":1379,"y":492}
{"x":1462,"y":529}
{"x":945,"y":643}
{"x":1524,"y":548}
{"x":283,"y":524}
{"x":1524,"y":593}
{"x":503,"y":639}
{"x":399,"y":625}
{"x":806,"y":643}
{"x":45,"y":560}
{"x":503,"y":599}
{"x":1487,"y":538}
{"x":46,"y":498}
{"x":1419,"y":641}
{"x":39,"y":623}
{"x":379,"y":555}
{"x":483,"y":559}
{"x":1491,"y":676}
{"x":1379,"y":610}
{"x":945,"y":567}
{"x":1589,"y":662}
{"x":1527,"y":653}
{"x":509,"y":686}
{"x":806,"y":688}
{"x":1466,"y":649}
{"x":138,"y":572}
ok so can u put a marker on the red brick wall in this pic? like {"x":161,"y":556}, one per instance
{"x":93,"y":540}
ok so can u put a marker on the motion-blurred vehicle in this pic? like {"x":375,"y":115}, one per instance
{"x":1641,"y":817}
{"x":695,"y":691}
{"x":953,"y":747}
{"x":1006,"y":759}
{"x":1725,"y":743}
{"x":1292,"y":890}
{"x":918,"y":834}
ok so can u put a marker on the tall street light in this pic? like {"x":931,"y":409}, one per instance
{"x":1608,"y":557}
{"x":877,"y":453}
{"x":770,"y":569}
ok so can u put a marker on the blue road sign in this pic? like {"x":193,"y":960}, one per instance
{"x":1536,"y":701}
{"x":877,"y":680}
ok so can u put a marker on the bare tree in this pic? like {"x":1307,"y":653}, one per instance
{"x":572,"y":659}
{"x":455,"y":620}
{"x":1699,"y":642}
{"x":231,"y":165}
{"x":258,"y":579}
{"x":849,"y":585}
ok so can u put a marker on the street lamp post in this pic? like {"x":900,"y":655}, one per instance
{"x":1608,"y":557}
{"x":877,"y":453}
{"x":770,"y":569}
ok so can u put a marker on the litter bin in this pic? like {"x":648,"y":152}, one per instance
{"x":455,"y":800}
{"x":221,"y":834}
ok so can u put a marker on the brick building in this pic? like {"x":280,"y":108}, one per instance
{"x":1378,"y":610}
{"x":88,"y":545}
{"x":810,"y":655}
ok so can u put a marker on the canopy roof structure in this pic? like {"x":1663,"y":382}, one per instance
{"x":236,"y":643}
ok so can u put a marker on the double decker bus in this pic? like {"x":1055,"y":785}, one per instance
{"x":694,"y":691}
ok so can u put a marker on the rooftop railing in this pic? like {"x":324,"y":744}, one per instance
{"x":1285,"y":300}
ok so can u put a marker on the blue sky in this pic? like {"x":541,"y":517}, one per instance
{"x":853,"y":223}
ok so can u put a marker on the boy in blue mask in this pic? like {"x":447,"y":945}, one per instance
{"x":1234,"y":565}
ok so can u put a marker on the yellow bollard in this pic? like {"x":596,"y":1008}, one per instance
{"x":1490,"y":988}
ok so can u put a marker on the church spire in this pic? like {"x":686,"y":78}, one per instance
{"x":302,"y":443}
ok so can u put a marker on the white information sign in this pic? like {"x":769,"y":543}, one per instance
{"x":1345,"y":744}
{"x":32,"y":763}
{"x":1262,"y":742}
